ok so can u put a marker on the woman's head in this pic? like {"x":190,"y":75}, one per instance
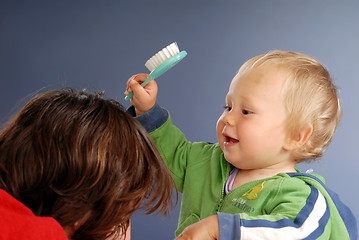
{"x":80,"y":158}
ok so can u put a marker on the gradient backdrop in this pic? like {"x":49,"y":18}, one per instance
{"x":98,"y":45}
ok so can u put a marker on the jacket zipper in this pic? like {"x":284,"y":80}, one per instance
{"x":219,"y":206}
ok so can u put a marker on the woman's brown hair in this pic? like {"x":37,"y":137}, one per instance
{"x":68,"y":155}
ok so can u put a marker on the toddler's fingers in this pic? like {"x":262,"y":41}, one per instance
{"x":140,"y":78}
{"x":151,"y":87}
{"x":136,"y":88}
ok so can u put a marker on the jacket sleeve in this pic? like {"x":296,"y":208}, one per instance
{"x":175,"y":150}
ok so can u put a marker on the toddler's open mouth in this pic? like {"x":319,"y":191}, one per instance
{"x":230,"y":141}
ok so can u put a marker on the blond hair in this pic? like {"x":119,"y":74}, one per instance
{"x":310,"y":97}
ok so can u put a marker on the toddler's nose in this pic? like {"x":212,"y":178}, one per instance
{"x":229,"y":119}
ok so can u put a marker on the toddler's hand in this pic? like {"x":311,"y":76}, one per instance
{"x":144,"y":98}
{"x":207,"y":228}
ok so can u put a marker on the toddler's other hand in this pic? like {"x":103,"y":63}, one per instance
{"x":206,"y":229}
{"x":144,"y":98}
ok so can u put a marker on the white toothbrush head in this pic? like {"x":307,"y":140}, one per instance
{"x":161,"y":62}
{"x":163,"y":55}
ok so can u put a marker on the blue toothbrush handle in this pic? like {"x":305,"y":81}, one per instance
{"x":161,"y":69}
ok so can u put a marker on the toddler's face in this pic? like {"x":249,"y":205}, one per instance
{"x":251,"y":130}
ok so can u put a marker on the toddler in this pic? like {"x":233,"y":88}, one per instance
{"x":281,"y":109}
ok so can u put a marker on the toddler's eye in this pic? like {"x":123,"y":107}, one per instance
{"x":228,"y":108}
{"x":246,"y":112}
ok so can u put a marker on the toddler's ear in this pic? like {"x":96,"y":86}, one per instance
{"x":300,"y":138}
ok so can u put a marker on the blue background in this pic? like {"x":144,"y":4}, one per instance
{"x":98,"y":45}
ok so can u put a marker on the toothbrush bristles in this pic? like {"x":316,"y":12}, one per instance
{"x":162,"y":56}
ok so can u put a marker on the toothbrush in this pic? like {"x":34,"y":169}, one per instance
{"x":161,"y":62}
